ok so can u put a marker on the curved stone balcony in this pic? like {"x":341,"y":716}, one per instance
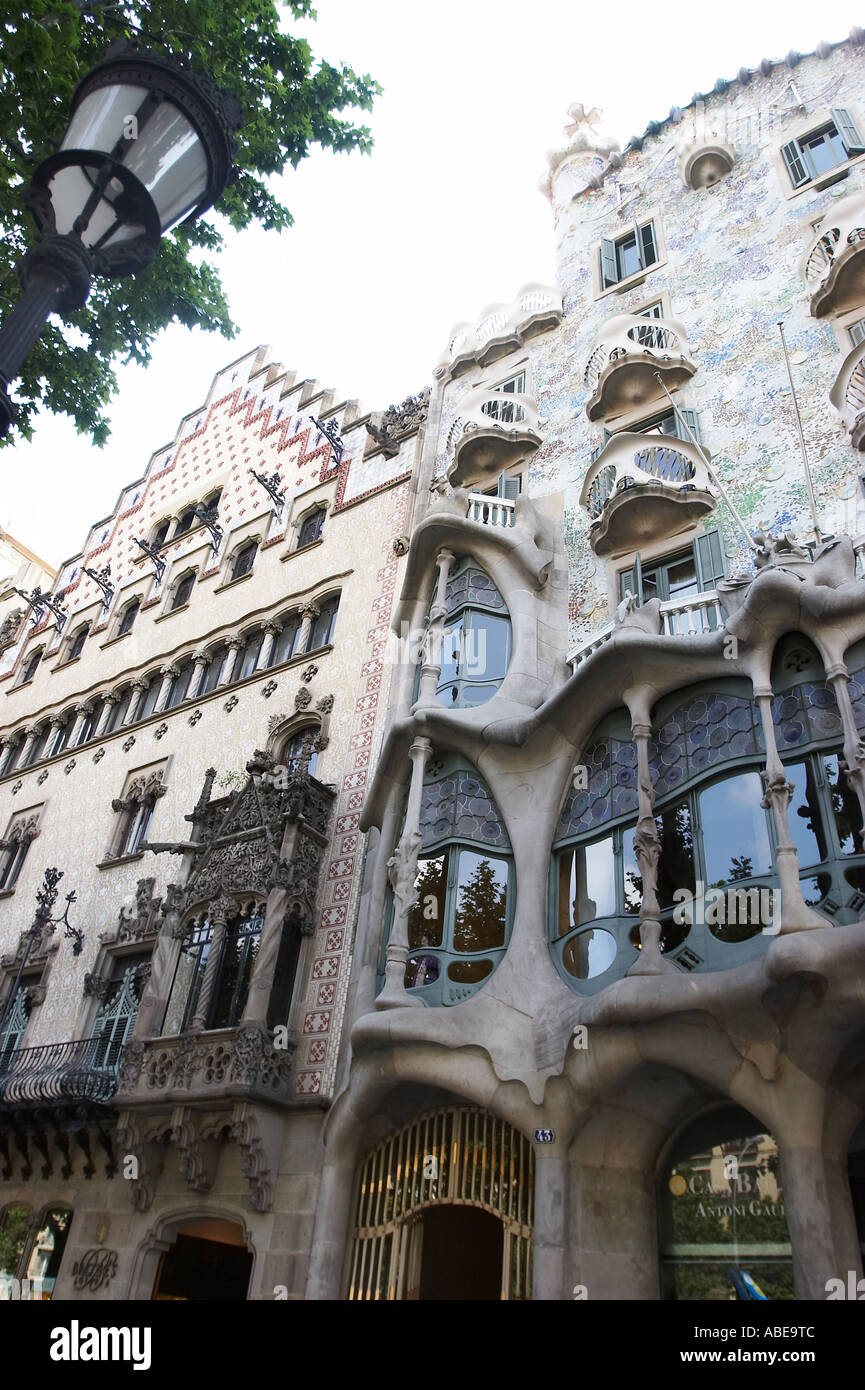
{"x":834,"y":265}
{"x":629,"y":353}
{"x":641,"y":488}
{"x":848,"y":395}
{"x":503,"y":327}
{"x":493,"y":430}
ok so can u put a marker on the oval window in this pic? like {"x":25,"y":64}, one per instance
{"x":589,"y":954}
{"x":468,"y":972}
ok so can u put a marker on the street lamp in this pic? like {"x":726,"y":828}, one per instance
{"x":149,"y":144}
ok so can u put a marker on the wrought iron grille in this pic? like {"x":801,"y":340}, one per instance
{"x":68,"y":1071}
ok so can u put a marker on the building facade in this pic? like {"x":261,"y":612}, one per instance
{"x":515,"y":990}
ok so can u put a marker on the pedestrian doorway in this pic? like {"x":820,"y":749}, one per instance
{"x":206,"y":1262}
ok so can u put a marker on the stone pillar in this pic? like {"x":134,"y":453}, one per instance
{"x":109,"y":701}
{"x":81,"y":713}
{"x":271,"y":632}
{"x":402,"y":872}
{"x":218,"y":913}
{"x":165,"y":955}
{"x":229,"y":659}
{"x":332,"y":1228}
{"x":200,"y":661}
{"x":795,"y":914}
{"x":432,"y":662}
{"x":55,"y":724}
{"x":809,"y":1219}
{"x":31,"y":733}
{"x":853,"y":762}
{"x":169,"y":674}
{"x":549,"y":1235}
{"x":309,"y":612}
{"x":6,"y":746}
{"x":139,"y":689}
{"x":647,"y":846}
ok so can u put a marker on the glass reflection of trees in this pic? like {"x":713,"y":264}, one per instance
{"x":719,"y":835}
{"x":458,"y":927}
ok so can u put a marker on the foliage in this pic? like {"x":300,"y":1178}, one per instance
{"x":290,"y":102}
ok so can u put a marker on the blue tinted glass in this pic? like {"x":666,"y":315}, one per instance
{"x":735,"y":833}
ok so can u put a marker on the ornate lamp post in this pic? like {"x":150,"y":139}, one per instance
{"x":148,"y":145}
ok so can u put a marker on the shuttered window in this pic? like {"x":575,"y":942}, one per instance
{"x":824,"y":149}
{"x":628,"y":255}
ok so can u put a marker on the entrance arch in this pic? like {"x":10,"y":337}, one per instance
{"x":445,"y":1204}
{"x":207,"y":1260}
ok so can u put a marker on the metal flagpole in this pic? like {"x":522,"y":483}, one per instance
{"x":806,"y":466}
{"x":713,"y":477}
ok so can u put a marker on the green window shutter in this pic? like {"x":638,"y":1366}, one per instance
{"x":609,"y":269}
{"x":692,"y":421}
{"x":794,"y":158}
{"x":510,"y":487}
{"x":648,"y":248}
{"x":632,"y":579}
{"x":847,"y":129}
{"x":638,"y":238}
{"x":709,"y":560}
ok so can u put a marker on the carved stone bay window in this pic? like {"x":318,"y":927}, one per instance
{"x":233,"y":948}
{"x":135,"y":812}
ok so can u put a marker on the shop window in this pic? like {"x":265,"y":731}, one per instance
{"x":14,"y":1231}
{"x":723,"y":1227}
{"x":46,"y":1252}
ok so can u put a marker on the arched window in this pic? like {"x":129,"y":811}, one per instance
{"x":37,"y":750}
{"x":311,"y":527}
{"x":185,"y":522}
{"x":30,"y":667}
{"x":244,"y":560}
{"x":76,"y":644}
{"x":182,"y":590}
{"x":160,"y":533}
{"x":151,"y":695}
{"x":247,"y":658}
{"x":49,"y":1243}
{"x":16,"y":847}
{"x":321,"y":631}
{"x":458,"y":929}
{"x":89,"y":723}
{"x":287,"y":639}
{"x":476,"y":641}
{"x":179,"y":687}
{"x":61,"y":736}
{"x":119,"y":711}
{"x":211,"y":673}
{"x":241,"y":939}
{"x":15,"y":1025}
{"x":292,"y":751}
{"x":128,"y":616}
{"x":14,"y":1229}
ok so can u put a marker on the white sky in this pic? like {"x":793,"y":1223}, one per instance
{"x":388,"y":251}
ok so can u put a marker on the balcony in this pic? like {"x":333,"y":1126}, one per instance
{"x":629,"y":354}
{"x":688,"y":616}
{"x":493,"y":430}
{"x":503,"y":328}
{"x":638,"y":491}
{"x":490,"y":511}
{"x":239,"y":1063}
{"x":834,"y":265}
{"x":848,"y":395}
{"x":59,"y":1074}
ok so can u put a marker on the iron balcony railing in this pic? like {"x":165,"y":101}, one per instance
{"x":82,"y":1070}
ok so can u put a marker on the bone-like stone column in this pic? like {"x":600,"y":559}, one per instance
{"x":432,"y":663}
{"x":402,"y":872}
{"x":795,"y":913}
{"x":647,"y":845}
{"x":549,"y":1235}
{"x":853,"y":762}
{"x":809,"y":1219}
